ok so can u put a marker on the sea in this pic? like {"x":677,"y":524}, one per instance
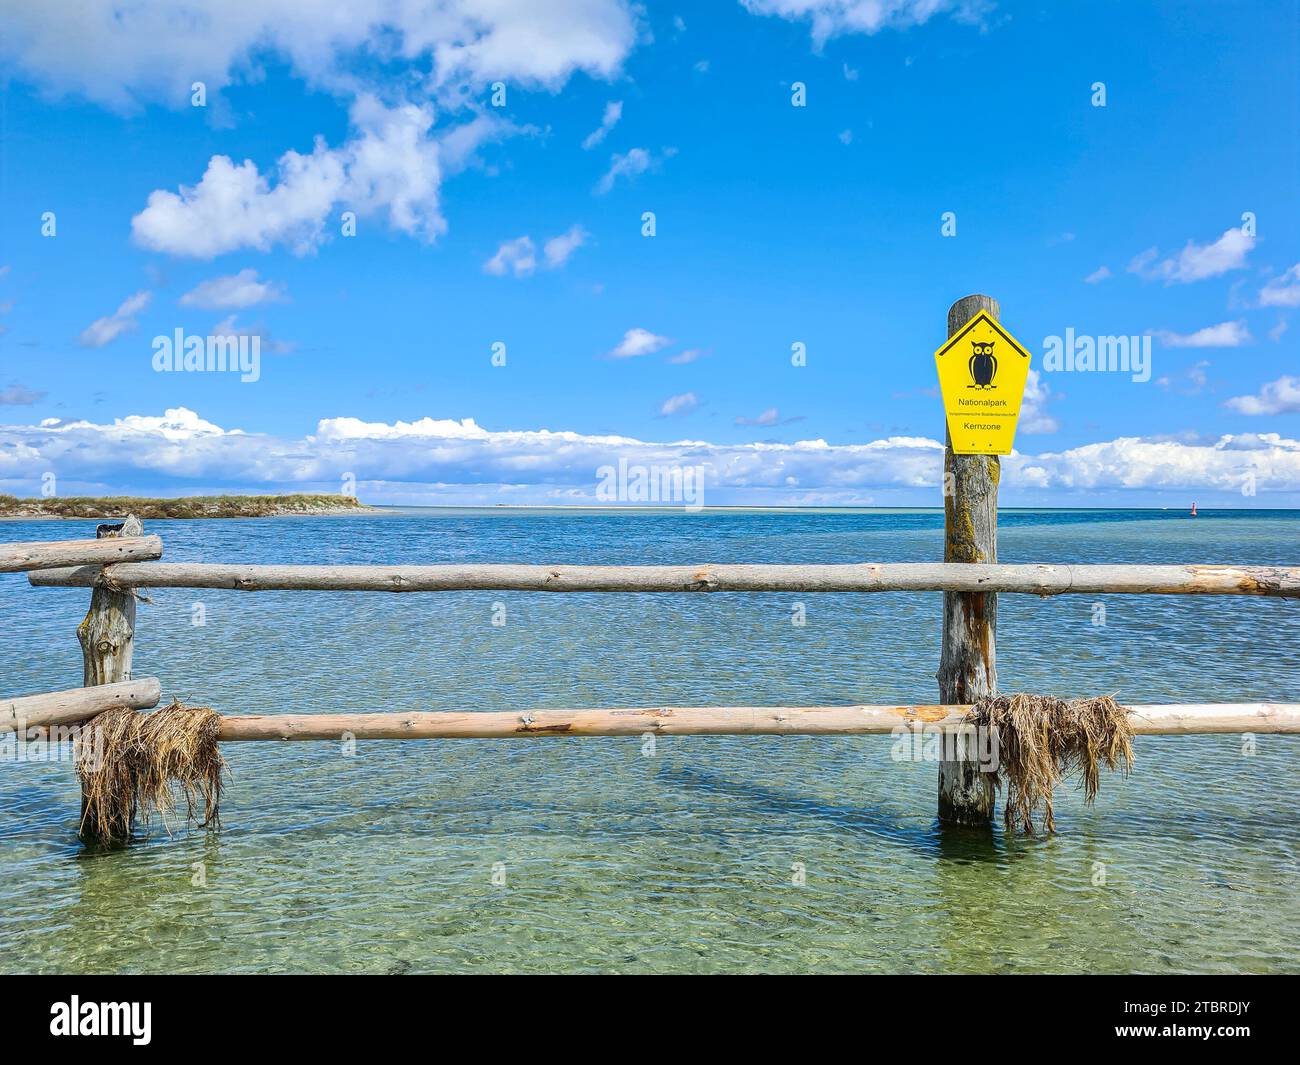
{"x":688,"y":854}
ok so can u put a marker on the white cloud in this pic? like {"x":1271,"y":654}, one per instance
{"x":636,"y":161}
{"x":1282,"y":291}
{"x":440,"y":459}
{"x":517,"y":256}
{"x":1190,"y":382}
{"x":394,"y":162}
{"x":1099,"y":274}
{"x":228,"y":327}
{"x":831,"y":18}
{"x":558,"y":249}
{"x":1034,"y":419}
{"x":689,"y":355}
{"x":107,"y":329}
{"x":683,"y":404}
{"x":771,"y":416}
{"x":846,"y":136}
{"x":1196,"y":261}
{"x":19,"y":396}
{"x":613,"y":112}
{"x":232,"y":291}
{"x":638,"y":341}
{"x":1277,"y":397}
{"x":1223,"y":335}
{"x":126,"y":54}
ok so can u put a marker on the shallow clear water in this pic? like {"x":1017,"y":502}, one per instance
{"x":686,"y":860}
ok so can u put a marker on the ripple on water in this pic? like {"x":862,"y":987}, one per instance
{"x":764,"y":854}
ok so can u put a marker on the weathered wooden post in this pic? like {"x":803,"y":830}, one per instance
{"x":107,"y":635}
{"x":967,"y":663}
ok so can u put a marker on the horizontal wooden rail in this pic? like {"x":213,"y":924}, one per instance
{"x":78,"y":704}
{"x":1162,"y":720}
{"x":863,"y":577}
{"x":47,"y":554}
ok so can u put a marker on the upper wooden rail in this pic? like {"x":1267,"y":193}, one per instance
{"x":47,"y":554}
{"x":77,"y":704}
{"x":861,"y":577}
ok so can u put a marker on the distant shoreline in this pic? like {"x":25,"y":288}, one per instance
{"x":181,"y":507}
{"x":329,"y":505}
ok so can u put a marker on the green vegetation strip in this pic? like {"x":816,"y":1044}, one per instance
{"x":183,"y":507}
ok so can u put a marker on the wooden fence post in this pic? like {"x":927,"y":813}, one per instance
{"x":107,"y":636}
{"x":967,"y":663}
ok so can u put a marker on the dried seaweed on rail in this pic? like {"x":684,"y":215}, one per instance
{"x":1042,"y":740}
{"x":132,"y":764}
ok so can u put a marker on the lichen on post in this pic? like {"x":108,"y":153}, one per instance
{"x":107,"y":635}
{"x":968,"y":660}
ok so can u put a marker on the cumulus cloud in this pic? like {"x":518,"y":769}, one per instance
{"x":107,"y":329}
{"x":771,"y":416}
{"x":1277,"y":397}
{"x":232,"y":291}
{"x":832,"y":18}
{"x":638,"y":341}
{"x":683,"y":404}
{"x":1034,"y":419}
{"x":1282,"y":291}
{"x":19,"y":396}
{"x":1223,"y":335}
{"x":228,"y":327}
{"x":613,"y":112}
{"x":558,"y":249}
{"x":395,"y":163}
{"x":125,"y":54}
{"x":629,"y":165}
{"x":444,"y":458}
{"x":1190,"y":382}
{"x":1098,"y":275}
{"x":518,"y":257}
{"x":689,"y":355}
{"x":1196,"y":261}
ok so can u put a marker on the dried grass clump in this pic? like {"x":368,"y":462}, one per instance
{"x":1043,"y":739}
{"x":128,"y":763}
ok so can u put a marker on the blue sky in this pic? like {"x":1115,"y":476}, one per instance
{"x":775,"y":225}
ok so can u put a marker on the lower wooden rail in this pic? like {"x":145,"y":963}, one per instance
{"x":1157,"y":720}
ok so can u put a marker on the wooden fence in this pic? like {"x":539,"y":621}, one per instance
{"x":118,"y":561}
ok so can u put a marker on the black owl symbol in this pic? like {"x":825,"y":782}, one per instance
{"x":983,"y":364}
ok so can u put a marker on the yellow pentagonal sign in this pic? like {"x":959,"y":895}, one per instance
{"x":982,"y":373}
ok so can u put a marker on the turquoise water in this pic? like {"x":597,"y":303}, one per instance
{"x":790,"y":854}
